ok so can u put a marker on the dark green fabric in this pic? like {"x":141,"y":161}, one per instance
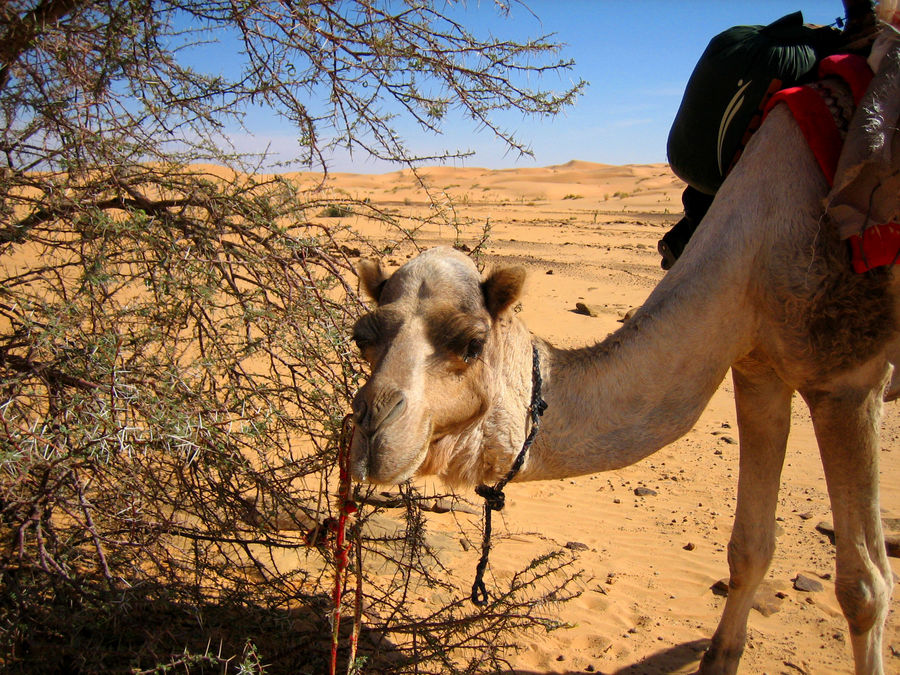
{"x":728,"y":87}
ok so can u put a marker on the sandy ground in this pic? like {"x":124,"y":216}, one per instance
{"x":587,"y":233}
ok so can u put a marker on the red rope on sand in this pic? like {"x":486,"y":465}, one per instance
{"x":346,"y":506}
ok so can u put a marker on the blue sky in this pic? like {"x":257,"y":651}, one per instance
{"x":637,"y":56}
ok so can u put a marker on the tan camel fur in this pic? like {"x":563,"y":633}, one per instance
{"x":763,"y":288}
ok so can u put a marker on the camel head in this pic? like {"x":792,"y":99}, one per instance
{"x":428,"y":344}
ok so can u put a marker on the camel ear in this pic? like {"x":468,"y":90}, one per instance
{"x":502,"y":288}
{"x":371,"y":277}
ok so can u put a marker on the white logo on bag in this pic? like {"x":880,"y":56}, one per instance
{"x":730,"y":111}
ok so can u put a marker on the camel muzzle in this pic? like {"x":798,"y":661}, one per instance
{"x":387,"y":447}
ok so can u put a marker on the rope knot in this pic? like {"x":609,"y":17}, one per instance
{"x":494,"y":499}
{"x":493,"y":496}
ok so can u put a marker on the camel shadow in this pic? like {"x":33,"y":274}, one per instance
{"x":665,"y":662}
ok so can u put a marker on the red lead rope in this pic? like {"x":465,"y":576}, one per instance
{"x":346,"y":506}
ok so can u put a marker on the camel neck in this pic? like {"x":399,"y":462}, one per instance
{"x":536,"y":408}
{"x":616,"y":402}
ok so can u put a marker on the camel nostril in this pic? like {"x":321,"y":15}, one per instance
{"x":393,"y":407}
{"x":372,"y":412}
{"x":360,"y":411}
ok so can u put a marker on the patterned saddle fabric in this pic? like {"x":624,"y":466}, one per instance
{"x":825,"y":111}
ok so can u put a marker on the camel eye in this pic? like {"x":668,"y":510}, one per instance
{"x":473,"y":349}
{"x":374,"y":329}
{"x":457,"y":334}
{"x":362,"y":338}
{"x":361,"y":343}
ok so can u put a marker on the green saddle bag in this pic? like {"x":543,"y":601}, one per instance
{"x":740,"y":68}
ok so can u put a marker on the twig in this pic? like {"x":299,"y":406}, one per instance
{"x":89,"y":521}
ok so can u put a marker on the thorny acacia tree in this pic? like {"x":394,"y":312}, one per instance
{"x":174,"y":352}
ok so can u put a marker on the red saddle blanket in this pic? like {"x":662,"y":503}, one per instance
{"x":823,"y":118}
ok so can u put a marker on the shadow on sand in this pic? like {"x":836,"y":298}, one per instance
{"x":665,"y":662}
{"x":144,"y":630}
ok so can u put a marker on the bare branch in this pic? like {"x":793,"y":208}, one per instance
{"x":175,"y":353}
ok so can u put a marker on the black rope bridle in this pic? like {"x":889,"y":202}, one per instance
{"x":494,"y":499}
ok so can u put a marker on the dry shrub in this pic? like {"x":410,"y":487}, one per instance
{"x":174,"y":339}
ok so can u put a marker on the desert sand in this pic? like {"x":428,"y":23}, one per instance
{"x":587,"y":233}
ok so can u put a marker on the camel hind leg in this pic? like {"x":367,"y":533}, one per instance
{"x":763,"y":403}
{"x":846,"y":421}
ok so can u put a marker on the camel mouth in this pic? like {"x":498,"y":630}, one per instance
{"x":371,"y":458}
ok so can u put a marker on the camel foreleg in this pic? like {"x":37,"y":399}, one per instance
{"x":846,"y":421}
{"x":763,"y":403}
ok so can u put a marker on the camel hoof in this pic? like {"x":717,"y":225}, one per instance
{"x":720,"y":661}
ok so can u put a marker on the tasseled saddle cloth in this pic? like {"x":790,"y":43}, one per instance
{"x":863,"y":201}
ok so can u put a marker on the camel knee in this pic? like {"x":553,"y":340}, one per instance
{"x":749,"y":559}
{"x":864,"y":600}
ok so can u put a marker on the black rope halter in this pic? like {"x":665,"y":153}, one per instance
{"x":494,"y":499}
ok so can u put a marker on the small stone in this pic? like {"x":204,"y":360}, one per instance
{"x":644,"y":492}
{"x":720,"y":588}
{"x":827,"y":529}
{"x":616,"y":500}
{"x":728,"y":439}
{"x":767,"y":605}
{"x":577,"y":546}
{"x":560,"y":658}
{"x":768,"y":598}
{"x":804,"y":583}
{"x":586,"y":310}
{"x":438,"y":506}
{"x":589,"y":669}
{"x":688,"y":546}
{"x":549,"y":271}
{"x":892,"y":545}
{"x":805,"y":516}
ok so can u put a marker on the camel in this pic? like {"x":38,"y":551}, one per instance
{"x":764,"y":288}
